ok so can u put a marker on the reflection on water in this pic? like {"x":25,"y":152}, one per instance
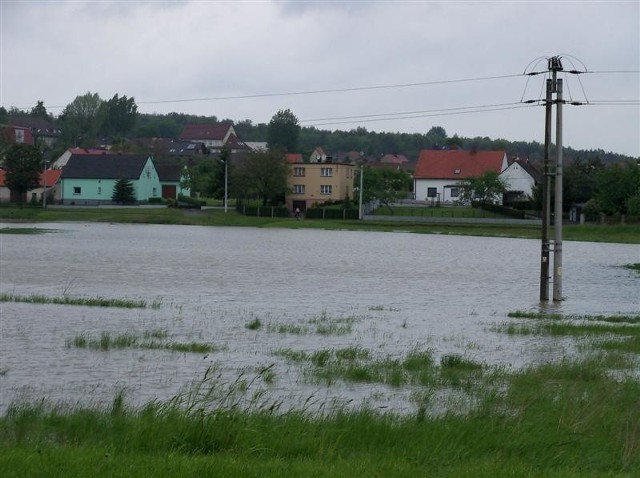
{"x":405,"y":290}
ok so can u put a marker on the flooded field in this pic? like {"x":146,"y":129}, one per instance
{"x":254,"y":297}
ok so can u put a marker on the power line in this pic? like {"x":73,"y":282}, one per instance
{"x":401,"y":113}
{"x":331,"y":90}
{"x":450,"y":113}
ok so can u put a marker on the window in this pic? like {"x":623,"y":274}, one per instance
{"x":326,"y":189}
{"x":455,"y":192}
{"x":298,"y":188}
{"x":298,"y":171}
{"x":456,"y":171}
{"x":326,"y":172}
{"x":154,"y":193}
{"x":432,"y":192}
{"x":77,"y":190}
{"x":99,"y":190}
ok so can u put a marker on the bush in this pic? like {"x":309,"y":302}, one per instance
{"x":592,"y":210}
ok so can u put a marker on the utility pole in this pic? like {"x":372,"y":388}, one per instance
{"x":557,"y":243}
{"x":546,"y":199}
{"x":360,"y":210}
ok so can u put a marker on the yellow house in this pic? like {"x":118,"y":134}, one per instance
{"x":314,"y":183}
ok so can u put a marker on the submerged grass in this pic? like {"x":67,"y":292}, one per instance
{"x":84,"y":301}
{"x":153,"y":340}
{"x":629,"y":319}
{"x":569,"y":419}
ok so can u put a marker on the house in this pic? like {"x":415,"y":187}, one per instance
{"x":89,"y":179}
{"x":315,"y":183}
{"x":41,"y":129}
{"x":50,"y":180}
{"x":521,"y":178}
{"x":214,"y":136}
{"x":318,"y":155}
{"x":16,"y":135}
{"x":438,"y":172}
{"x":394,"y":159}
{"x":293,"y":158}
{"x":172,"y":177}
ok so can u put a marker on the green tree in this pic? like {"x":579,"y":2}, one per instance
{"x":283,"y":131}
{"x":118,"y":115}
{"x":23,"y":164}
{"x":81,"y":119}
{"x":39,"y":111}
{"x":484,"y":188}
{"x":123,"y":192}
{"x":386,"y":185}
{"x":616,"y":185}
{"x":263,"y":174}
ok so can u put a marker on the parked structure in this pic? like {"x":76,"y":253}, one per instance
{"x":438,"y":172}
{"x":311,"y":184}
{"x":214,"y":136}
{"x":89,"y":179}
{"x":521,"y":178}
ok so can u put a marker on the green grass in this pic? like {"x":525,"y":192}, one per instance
{"x":462,"y":212}
{"x":616,"y":319}
{"x":84,"y":301}
{"x":154,"y":340}
{"x":255,"y":324}
{"x":568,"y":419}
{"x":629,"y":234}
{"x":634,"y":267}
{"x":25,"y":230}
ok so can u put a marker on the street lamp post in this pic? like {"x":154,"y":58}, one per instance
{"x":226,"y":183}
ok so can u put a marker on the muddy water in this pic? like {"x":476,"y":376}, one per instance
{"x":404,"y":291}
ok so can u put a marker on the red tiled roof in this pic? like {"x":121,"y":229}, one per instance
{"x":205,"y":131}
{"x":394,"y":159}
{"x":52,"y":176}
{"x":457,"y":164}
{"x":293,"y":157}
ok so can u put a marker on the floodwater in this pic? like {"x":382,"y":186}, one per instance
{"x":404,"y":290}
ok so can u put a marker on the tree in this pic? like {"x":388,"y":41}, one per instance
{"x":482,"y":188}
{"x":118,"y":115}
{"x":616,"y":185}
{"x":262,"y":174}
{"x":123,"y":192}
{"x":39,"y":111}
{"x":386,"y":185}
{"x":283,"y":131}
{"x":23,"y":165}
{"x":80,"y":120}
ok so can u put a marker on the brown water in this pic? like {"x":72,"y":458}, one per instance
{"x":406,"y":290}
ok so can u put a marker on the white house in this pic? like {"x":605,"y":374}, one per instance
{"x":439,"y":172}
{"x":521,"y":178}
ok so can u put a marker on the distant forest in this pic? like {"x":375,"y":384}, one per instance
{"x":371,"y":143}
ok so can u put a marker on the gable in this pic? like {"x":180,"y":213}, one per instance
{"x":458,"y":164}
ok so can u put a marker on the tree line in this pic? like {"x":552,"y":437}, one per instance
{"x":608,"y":182}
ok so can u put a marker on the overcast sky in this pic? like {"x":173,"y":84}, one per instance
{"x":207,"y":51}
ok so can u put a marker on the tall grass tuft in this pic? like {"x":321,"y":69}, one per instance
{"x":84,"y":301}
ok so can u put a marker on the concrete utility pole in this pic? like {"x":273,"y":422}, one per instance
{"x":557,"y":243}
{"x":546,"y":199}
{"x":555,"y":65}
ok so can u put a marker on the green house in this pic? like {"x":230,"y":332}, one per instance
{"x":89,"y":179}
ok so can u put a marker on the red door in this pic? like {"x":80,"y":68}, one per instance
{"x":169,"y":191}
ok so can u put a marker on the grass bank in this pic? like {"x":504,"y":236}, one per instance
{"x":215,"y":217}
{"x":84,"y":301}
{"x":578,"y":417}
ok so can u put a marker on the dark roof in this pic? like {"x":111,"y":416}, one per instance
{"x":168,"y":171}
{"x":198,"y":132}
{"x":529,"y":168}
{"x":108,"y":166}
{"x":37,"y":125}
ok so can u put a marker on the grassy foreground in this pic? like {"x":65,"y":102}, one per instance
{"x":629,"y":234}
{"x":576,"y":418}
